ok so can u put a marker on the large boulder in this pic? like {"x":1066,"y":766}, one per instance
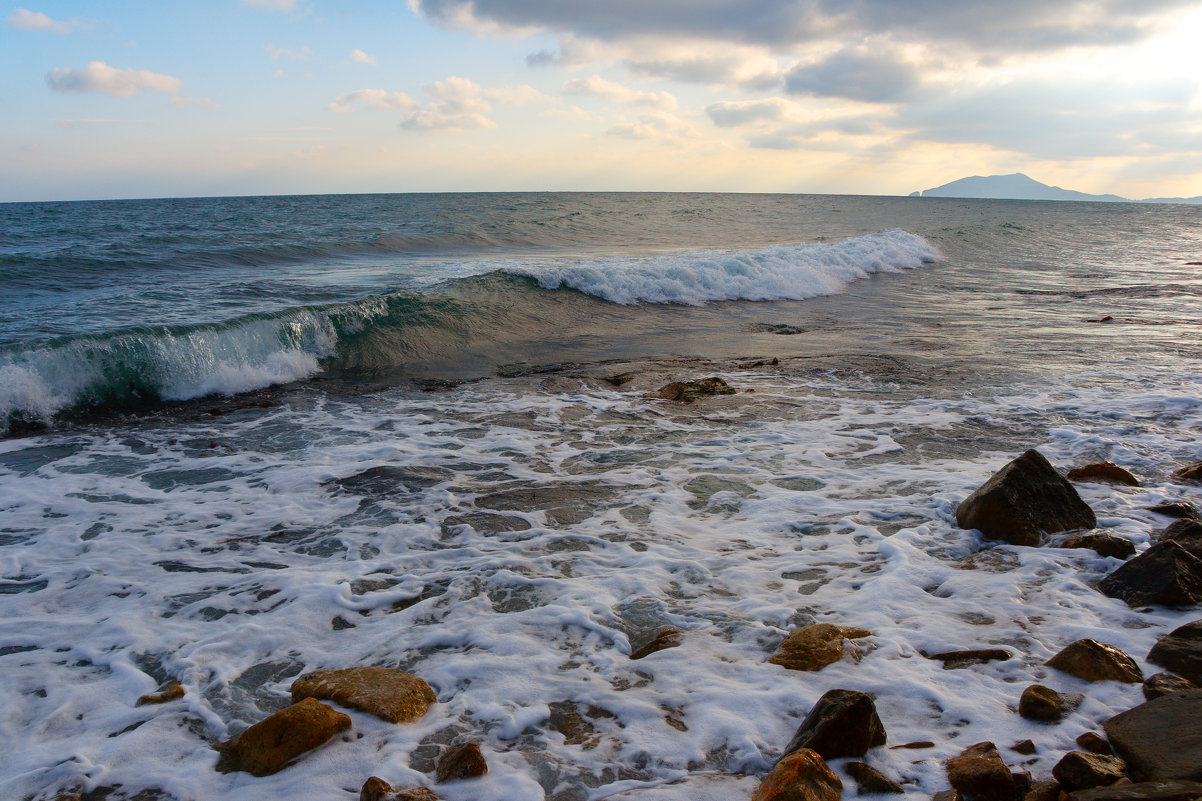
{"x":388,"y":693}
{"x":1091,"y":660}
{"x":1165,"y":574}
{"x":1181,"y":651}
{"x":1023,"y":501}
{"x":843,"y":723}
{"x":800,"y":776}
{"x":1045,"y":704}
{"x":1161,"y":739}
{"x":1142,"y":791}
{"x":980,"y":774}
{"x":1105,"y":472}
{"x":1185,"y":532}
{"x":1079,"y":770}
{"x":814,"y":647}
{"x":269,"y":745}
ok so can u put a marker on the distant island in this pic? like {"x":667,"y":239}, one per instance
{"x":1022,"y":187}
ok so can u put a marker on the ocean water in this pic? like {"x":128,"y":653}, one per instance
{"x":253,"y":437}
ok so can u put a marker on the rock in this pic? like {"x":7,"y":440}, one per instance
{"x":917,"y":744}
{"x":981,"y":775}
{"x":1043,"y":791}
{"x":1101,"y":544}
{"x":169,"y":691}
{"x":1186,"y":532}
{"x":1022,"y":781}
{"x":1177,"y":509}
{"x":689,"y":391}
{"x":1094,"y":661}
{"x":1165,"y":574}
{"x":1181,"y":651}
{"x":1094,"y":743}
{"x":1023,"y":501}
{"x":1041,"y":703}
{"x":1024,"y":747}
{"x":947,"y":795}
{"x":870,"y":780}
{"x":814,"y":647}
{"x":376,"y":789}
{"x":1191,"y":472}
{"x":1165,"y":683}
{"x":958,"y":659}
{"x":269,"y":745}
{"x":1079,"y":770}
{"x":1142,"y":791}
{"x":575,"y":722}
{"x":1107,"y":472}
{"x":668,"y":638}
{"x":388,"y":693}
{"x":843,"y":723}
{"x":463,"y":761}
{"x":1162,"y":738}
{"x":800,"y":776}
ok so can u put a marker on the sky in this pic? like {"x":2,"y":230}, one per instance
{"x":162,"y":98}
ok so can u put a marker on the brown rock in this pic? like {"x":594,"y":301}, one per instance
{"x":1045,"y":704}
{"x":1191,"y":472}
{"x":1186,"y":532}
{"x":1177,"y":509}
{"x":870,"y":780}
{"x":980,"y":774}
{"x":1164,"y":684}
{"x":1043,"y":791}
{"x":689,"y":391}
{"x":376,"y":789}
{"x":843,"y":723}
{"x":1094,"y":743}
{"x":947,"y":795}
{"x":1142,"y":791}
{"x":800,"y":776}
{"x":1161,"y":739}
{"x":1023,"y":501}
{"x":388,"y":693}
{"x":463,"y":761}
{"x":269,"y":745}
{"x":1024,"y":747}
{"x":814,"y":647}
{"x":1165,"y":574}
{"x":668,"y":638}
{"x":1102,"y":545}
{"x":1094,"y":661}
{"x":958,"y":659}
{"x":1079,"y":770}
{"x":168,"y":691}
{"x":917,"y":744}
{"x":1107,"y":472}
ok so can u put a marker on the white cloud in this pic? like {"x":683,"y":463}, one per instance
{"x":359,"y":57}
{"x":378,"y":99}
{"x":655,"y":126}
{"x":28,"y":20}
{"x":304,"y":54}
{"x":575,"y":113}
{"x":274,"y":5}
{"x":516,"y":95}
{"x":613,"y":92}
{"x":100,"y":77}
{"x":457,"y":106}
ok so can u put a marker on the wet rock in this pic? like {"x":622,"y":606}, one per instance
{"x":1094,"y":661}
{"x":917,"y":744}
{"x":388,"y":693}
{"x":1043,"y":791}
{"x":1142,"y":791}
{"x":269,"y":745}
{"x":1023,"y":501}
{"x":814,"y":647}
{"x":1024,"y":747}
{"x":1165,"y":683}
{"x":463,"y":761}
{"x":1161,"y":739}
{"x":169,"y":691}
{"x":689,"y":391}
{"x":619,"y":380}
{"x":843,"y":723}
{"x":1177,"y":509}
{"x":1105,"y":472}
{"x":1166,"y":574}
{"x":1079,"y":770}
{"x":1045,"y":704}
{"x":981,"y":775}
{"x":1094,"y":743}
{"x":668,"y":638}
{"x":1022,"y":781}
{"x":376,"y":789}
{"x":947,"y":795}
{"x":1101,"y":544}
{"x":577,"y":728}
{"x":1191,"y":472}
{"x":1186,"y":532}
{"x":959,"y":659}
{"x":870,"y":780}
{"x":800,"y":776}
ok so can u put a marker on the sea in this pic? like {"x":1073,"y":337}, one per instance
{"x":247,"y":438}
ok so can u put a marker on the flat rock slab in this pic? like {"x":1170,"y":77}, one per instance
{"x":1166,"y":574}
{"x":1161,"y":739}
{"x":979,"y":656}
{"x":1023,"y":501}
{"x":689,"y":391}
{"x":843,"y":723}
{"x":1181,"y":652}
{"x":1091,"y":660}
{"x":1105,"y":472}
{"x":1143,"y":791}
{"x":269,"y":745}
{"x":814,"y":647}
{"x":388,"y":693}
{"x":800,"y":776}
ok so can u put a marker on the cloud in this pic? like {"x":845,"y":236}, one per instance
{"x":274,"y":5}
{"x":870,"y":74}
{"x":596,"y":86}
{"x":28,"y":20}
{"x":304,"y":54}
{"x":728,"y":114}
{"x":654,"y":126}
{"x":522,"y":95}
{"x":100,"y":77}
{"x":374,"y":99}
{"x":754,"y":71}
{"x":359,"y":57}
{"x":456,"y":104}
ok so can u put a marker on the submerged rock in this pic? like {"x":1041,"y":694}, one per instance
{"x":1161,"y":739}
{"x":980,"y":773}
{"x":376,"y":789}
{"x":843,"y":723}
{"x":1023,"y":501}
{"x":1079,"y":770}
{"x":1165,"y":574}
{"x":1181,"y":651}
{"x":1102,"y":544}
{"x":463,"y":761}
{"x":689,"y":391}
{"x":1045,"y":704}
{"x":800,"y":776}
{"x":959,"y":659}
{"x":814,"y":647}
{"x":1191,"y":472}
{"x":668,"y":638}
{"x":1106,"y":472}
{"x":388,"y":693}
{"x":1094,"y":661}
{"x":269,"y":745}
{"x":870,"y":780}
{"x":169,"y":691}
{"x":1177,"y":509}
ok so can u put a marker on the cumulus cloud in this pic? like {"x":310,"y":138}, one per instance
{"x":378,"y":99}
{"x":100,"y":77}
{"x":455,"y":104}
{"x":359,"y":57}
{"x":654,"y":126}
{"x":613,"y":92}
{"x":866,"y":73}
{"x":731,"y":113}
{"x":522,"y":95}
{"x":28,"y":20}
